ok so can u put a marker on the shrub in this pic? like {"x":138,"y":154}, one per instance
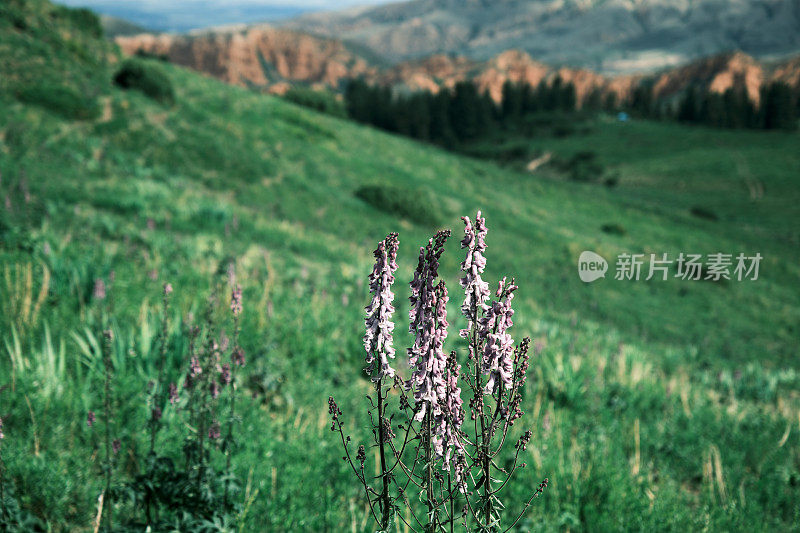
{"x":613,"y":229}
{"x":62,"y":100}
{"x":703,"y":212}
{"x":414,"y":205}
{"x":321,"y":101}
{"x":583,"y":167}
{"x":147,"y":78}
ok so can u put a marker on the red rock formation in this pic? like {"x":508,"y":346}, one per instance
{"x":273,"y":59}
{"x":260,"y":56}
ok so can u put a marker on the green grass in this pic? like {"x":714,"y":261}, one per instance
{"x":703,"y":376}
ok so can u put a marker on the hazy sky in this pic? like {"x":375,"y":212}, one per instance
{"x":167,"y":4}
{"x":185,"y":15}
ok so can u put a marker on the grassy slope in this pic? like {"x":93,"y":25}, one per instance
{"x":698,"y":368}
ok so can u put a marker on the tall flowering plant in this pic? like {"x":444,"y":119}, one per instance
{"x":451,"y":465}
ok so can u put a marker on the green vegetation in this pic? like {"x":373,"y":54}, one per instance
{"x":414,"y":205}
{"x":661,"y":405}
{"x":322,"y":101}
{"x":145,"y":77}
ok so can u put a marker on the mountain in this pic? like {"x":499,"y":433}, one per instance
{"x":273,"y":59}
{"x":611,"y":36}
{"x":259,"y":56}
{"x":116,"y":27}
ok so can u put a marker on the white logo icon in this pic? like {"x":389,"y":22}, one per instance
{"x":591,"y":267}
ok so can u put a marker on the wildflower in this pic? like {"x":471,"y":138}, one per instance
{"x":116,"y":445}
{"x":167,"y":289}
{"x":476,"y":290}
{"x":194,"y":367}
{"x":428,"y":316}
{"x":499,"y":348}
{"x":2,"y":436}
{"x":388,"y":434}
{"x":173,"y":393}
{"x":523,"y":441}
{"x":379,"y":326}
{"x":521,"y":361}
{"x":335,"y":412}
{"x":453,"y":412}
{"x":214,"y":431}
{"x":225,"y":374}
{"x":90,"y":418}
{"x":99,"y":292}
{"x":237,"y":357}
{"x":429,"y":374}
{"x":361,"y":455}
{"x":236,"y":300}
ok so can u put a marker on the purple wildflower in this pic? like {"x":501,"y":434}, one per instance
{"x":476,"y":290}
{"x":173,"y":393}
{"x":90,"y":418}
{"x":498,"y":352}
{"x":236,"y":300}
{"x":99,"y":292}
{"x":116,"y":445}
{"x":2,"y":436}
{"x":213,"y":431}
{"x":194,"y":367}
{"x":379,"y":326}
{"x":167,"y":289}
{"x":225,"y":374}
{"x":428,"y":376}
{"x":237,"y":357}
{"x":453,"y":412}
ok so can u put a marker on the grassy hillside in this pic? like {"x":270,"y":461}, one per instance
{"x":655,"y":405}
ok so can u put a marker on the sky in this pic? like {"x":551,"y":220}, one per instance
{"x":186,"y":15}
{"x":172,"y":4}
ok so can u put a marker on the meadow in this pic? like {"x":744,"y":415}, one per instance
{"x":654,"y":405}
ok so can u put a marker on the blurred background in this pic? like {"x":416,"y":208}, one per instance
{"x":144,"y":143}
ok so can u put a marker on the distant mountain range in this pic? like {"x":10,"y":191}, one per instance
{"x":609,"y":36}
{"x":274,"y":59}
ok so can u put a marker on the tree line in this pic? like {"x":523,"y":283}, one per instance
{"x":464,"y":113}
{"x":454,"y":115}
{"x":778,"y":109}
